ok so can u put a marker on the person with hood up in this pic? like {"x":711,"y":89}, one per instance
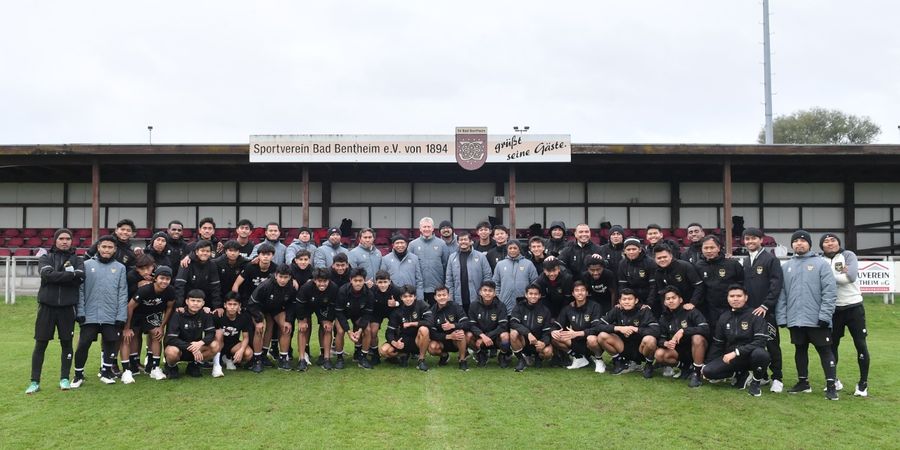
{"x":557,"y":240}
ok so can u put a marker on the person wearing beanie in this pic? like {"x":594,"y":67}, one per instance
{"x":102,"y":309}
{"x":273,"y":233}
{"x":158,"y":249}
{"x":763,"y":280}
{"x":446,"y":234}
{"x":498,"y":253}
{"x":612,"y":250}
{"x":695,"y":234}
{"x":556,"y":285}
{"x":302,"y":242}
{"x":557,"y":240}
{"x":484,"y":243}
{"x":403,"y":265}
{"x":849,"y":312}
{"x":62,"y":273}
{"x":574,"y":255}
{"x":149,"y":308}
{"x":637,"y":272}
{"x":324,"y":255}
{"x":806,"y":307}
{"x":717,"y":273}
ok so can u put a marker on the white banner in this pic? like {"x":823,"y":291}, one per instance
{"x":876,"y":277}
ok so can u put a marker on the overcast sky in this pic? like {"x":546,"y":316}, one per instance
{"x":642,"y":71}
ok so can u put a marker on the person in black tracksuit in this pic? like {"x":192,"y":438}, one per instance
{"x":763,"y":280}
{"x":557,"y":240}
{"x":408,"y":329}
{"x":530,"y":325}
{"x":387,"y":299}
{"x":301,"y":268}
{"x":655,"y":239}
{"x":141,"y":274}
{"x":537,"y":253}
{"x":498,"y":252}
{"x":637,"y":272}
{"x":269,"y":305}
{"x":158,"y":250}
{"x":556,"y":286}
{"x":124,"y":253}
{"x":739,"y":344}
{"x":682,"y":337}
{"x":629,"y":333}
{"x":201,"y":273}
{"x":485,"y":242}
{"x":149,"y":309}
{"x":316,"y":296}
{"x":717,"y":272}
{"x":176,"y":248}
{"x":575,"y":329}
{"x":206,"y":231}
{"x":236,"y":326}
{"x":356,"y":304}
{"x":489,"y":324}
{"x":601,"y":283}
{"x":230,"y":264}
{"x":574,"y":256}
{"x":612,"y":251}
{"x":62,"y":273}
{"x":449,"y":326}
{"x":681,"y":274}
{"x":694,"y":252}
{"x":190,"y":336}
{"x":340,"y":269}
{"x":254,"y":274}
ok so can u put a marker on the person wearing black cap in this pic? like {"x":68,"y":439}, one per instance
{"x":695,"y":234}
{"x":655,"y":238}
{"x":446,"y":231}
{"x":498,"y":253}
{"x":149,"y":308}
{"x":158,"y":249}
{"x":403,"y":265}
{"x":682,"y":337}
{"x":601,"y":283}
{"x":273,"y":232}
{"x":62,"y":273}
{"x":324,"y":255}
{"x":763,"y":279}
{"x":556,"y":286}
{"x":806,"y":308}
{"x":557,"y":240}
{"x":717,"y":272}
{"x":484,"y":243}
{"x":637,"y":272}
{"x":302,"y":242}
{"x":671,"y":271}
{"x":848,"y":312}
{"x":574,"y":255}
{"x":612,"y":251}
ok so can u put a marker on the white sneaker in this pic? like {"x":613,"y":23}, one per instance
{"x":107,"y":379}
{"x":127,"y":377}
{"x":861,"y":393}
{"x":837,"y":385}
{"x":306,"y":358}
{"x":668,"y":371}
{"x":217,"y":371}
{"x":229,"y":364}
{"x":578,"y":363}
{"x":157,"y":374}
{"x":76,"y":383}
{"x":599,"y":365}
{"x":777,"y":387}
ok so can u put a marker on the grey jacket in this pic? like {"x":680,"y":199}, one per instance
{"x":433,"y":254}
{"x":103,"y":297}
{"x":368,"y":259}
{"x":809,"y":292}
{"x":324,"y":255}
{"x":295,"y":248}
{"x":280,"y":251}
{"x":512,"y":277}
{"x":478,"y":268}
{"x":404,"y":272}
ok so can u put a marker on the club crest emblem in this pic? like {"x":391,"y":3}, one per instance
{"x":642,"y":273}
{"x":809,"y":268}
{"x":684,"y":324}
{"x":722,"y":273}
{"x":636,"y":322}
{"x":471,"y":147}
{"x":493,"y":317}
{"x":759,"y":270}
{"x":451,"y":318}
{"x":587,"y":317}
{"x":415,"y":315}
{"x":745,"y":326}
{"x":678,"y":278}
{"x":540,"y":319}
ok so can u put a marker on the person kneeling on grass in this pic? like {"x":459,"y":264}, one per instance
{"x":269,"y":305}
{"x":489,"y":319}
{"x":739,"y":345}
{"x":354,"y":308}
{"x":577,"y":327}
{"x":148,"y":310}
{"x":682,"y":337}
{"x":529,"y":329}
{"x":407,"y":330}
{"x":236,"y":326}
{"x":449,"y":325}
{"x":629,"y":332}
{"x":190,"y":336}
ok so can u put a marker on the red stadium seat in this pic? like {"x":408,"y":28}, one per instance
{"x":628,"y":233}
{"x":11,"y":232}
{"x":22,"y":252}
{"x":143,"y":233}
{"x":34,"y":242}
{"x":15,"y":242}
{"x":86,"y":242}
{"x":187,"y":233}
{"x":80,"y":251}
{"x":82,"y":232}
{"x":384,"y":250}
{"x":642,"y":233}
{"x":47,"y":233}
{"x":5,"y":252}
{"x":29,"y":232}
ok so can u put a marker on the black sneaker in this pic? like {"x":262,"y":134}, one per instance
{"x":464,"y":366}
{"x":753,"y":388}
{"x":521,"y":364}
{"x":302,"y":365}
{"x":284,"y":364}
{"x":831,"y":391}
{"x":376,"y":358}
{"x":320,"y":360}
{"x":363,"y":362}
{"x":206,"y":365}
{"x":802,"y":386}
{"x":538,"y":362}
{"x":327,"y":365}
{"x":404,"y":360}
{"x":620,"y":366}
{"x":686,"y":373}
{"x":422,"y":366}
{"x":266,"y":362}
{"x":741,"y":380}
{"x":193,"y":370}
{"x":503,"y":360}
{"x":445,"y":358}
{"x":339,"y":362}
{"x":257,"y":366}
{"x":694,"y":380}
{"x":481,"y":358}
{"x":358,"y":354}
{"x":171,"y":373}
{"x":648,"y":369}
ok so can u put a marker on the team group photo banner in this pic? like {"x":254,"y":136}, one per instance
{"x":469,"y":147}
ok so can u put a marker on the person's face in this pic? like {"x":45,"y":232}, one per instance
{"x":663,"y":259}
{"x":273,"y":232}
{"x":513,"y":251}
{"x":106,"y":249}
{"x":206,"y":230}
{"x":232,"y":254}
{"x":408,"y":299}
{"x":753,"y":243}
{"x":145,"y":272}
{"x":304,"y":236}
{"x":446,"y":232}
{"x":484,"y":233}
{"x":124,"y":232}
{"x":302,"y":261}
{"x":357,"y":283}
{"x":366,"y":239}
{"x":800,"y":246}
{"x":321,"y":284}
{"x":632,"y":252}
{"x":710,"y":250}
{"x":194,"y":305}
{"x":282,"y":279}
{"x":244,"y":231}
{"x":579,"y":293}
{"x":557,"y":233}
{"x":552,"y":273}
{"x":595,"y":271}
{"x":383,"y":285}
{"x":265,"y":258}
{"x":830,"y":245}
{"x":465,"y":242}
{"x":399,"y":246}
{"x":63,"y":241}
{"x":487,"y":293}
{"x":175,"y":231}
{"x":339,"y":267}
{"x":159,"y":244}
{"x":334,"y":238}
{"x":500,"y":237}
{"x":616,"y":238}
{"x":427,"y":229}
{"x":203,"y":253}
{"x":536,"y":248}
{"x":737,"y":298}
{"x":695,"y":233}
{"x":441,"y":297}
{"x":583,"y":234}
{"x":653,"y":235}
{"x":627,"y":302}
{"x":672,"y":301}
{"x":162,"y":281}
{"x":232,"y":307}
{"x":532,"y":296}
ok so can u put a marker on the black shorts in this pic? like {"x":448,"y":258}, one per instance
{"x":229,"y":343}
{"x":144,"y":323}
{"x":810,"y":335}
{"x":272,"y":310}
{"x":409,"y":345}
{"x":449,"y":345}
{"x":684,"y":350}
{"x":108,"y":332}
{"x":303,"y":311}
{"x":632,"y":350}
{"x":52,"y":318}
{"x":381,"y":313}
{"x":325,"y":314}
{"x":853,"y":318}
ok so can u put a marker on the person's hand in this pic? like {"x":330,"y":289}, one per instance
{"x":138,"y":251}
{"x":185,"y":261}
{"x":397,"y":344}
{"x":260,"y":327}
{"x":296,"y":285}
{"x":392,"y":303}
{"x":556,"y":334}
{"x":532,"y":339}
{"x":80,"y":320}
{"x":127,"y":334}
{"x":198,"y":356}
{"x":156,"y":333}
{"x":206,"y":309}
{"x":255,"y":260}
{"x":286,"y":329}
{"x":410,"y":324}
{"x":688,"y":306}
{"x":195,"y":346}
{"x":447,"y":326}
{"x":486,"y":341}
{"x":824,"y":324}
{"x":728,"y":357}
{"x":457,"y":335}
{"x":219,"y":311}
{"x":645,"y":306}
{"x":761,"y":312}
{"x":354,"y":336}
{"x":539,"y":346}
{"x":670,"y":344}
{"x":179,"y":309}
{"x":238,"y":357}
{"x":678,"y":335}
{"x":219,"y":247}
{"x":370,"y":283}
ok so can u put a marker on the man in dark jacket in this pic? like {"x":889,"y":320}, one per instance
{"x":268,"y":305}
{"x":682,"y":337}
{"x":574,"y":255}
{"x":498,"y":253}
{"x":655,"y":238}
{"x":695,"y":234}
{"x":158,"y":249}
{"x":575,"y":329}
{"x":122,"y":234}
{"x":201,"y":273}
{"x":190,"y":336}
{"x":449,"y":326}
{"x":176,"y":248}
{"x":537,"y":252}
{"x":408,"y":329}
{"x":484,"y":243}
{"x":763,"y":279}
{"x":601,"y":283}
{"x":637,"y":272}
{"x":717,"y":273}
{"x":629,"y":333}
{"x":678,"y":273}
{"x":62,"y":273}
{"x":556,"y":286}
{"x":557,"y":239}
{"x":530,"y":325}
{"x":612,"y":250}
{"x":489,"y":324}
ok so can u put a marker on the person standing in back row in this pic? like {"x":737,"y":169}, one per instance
{"x":432,"y":253}
{"x":762,"y":281}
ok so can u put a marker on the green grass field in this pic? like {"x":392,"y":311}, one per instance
{"x":443,"y":408}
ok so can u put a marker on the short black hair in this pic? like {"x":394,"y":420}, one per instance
{"x":711,"y":237}
{"x":408,"y":289}
{"x":340,"y":257}
{"x":694,"y":224}
{"x":196,"y":293}
{"x":273,"y":223}
{"x":594,"y":261}
{"x":628,"y":291}
{"x":358,"y":272}
{"x":382,"y":275}
{"x":321,"y":273}
{"x":578,"y":283}
{"x":488,"y":283}
{"x":202,"y":243}
{"x":737,"y":287}
{"x":663,"y":248}
{"x":283,"y":269}
{"x":673,"y":289}
{"x":206,"y":220}
{"x":483,"y":224}
{"x":232,"y":296}
{"x":536,"y":239}
{"x":144,"y":260}
{"x":243,"y":222}
{"x":441,"y":288}
{"x":305,"y":253}
{"x":533,"y":286}
{"x":654,"y":226}
{"x":550,"y":264}
{"x":232,"y":245}
{"x":128,"y":222}
{"x":174,"y":222}
{"x":265,"y":247}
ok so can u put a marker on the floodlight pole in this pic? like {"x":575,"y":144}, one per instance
{"x":767,"y":58}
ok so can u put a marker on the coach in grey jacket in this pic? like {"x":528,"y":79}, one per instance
{"x":403,"y":266}
{"x":477,"y":271}
{"x":513,"y":274}
{"x":433,"y":254}
{"x":324,"y":256}
{"x":303,"y":242}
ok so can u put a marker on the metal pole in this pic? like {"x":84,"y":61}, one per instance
{"x":767,"y":58}
{"x":305,"y":195}
{"x":726,"y":184}
{"x":95,"y":200}
{"x":512,"y":201}
{"x":6,"y":289}
{"x":12,"y":283}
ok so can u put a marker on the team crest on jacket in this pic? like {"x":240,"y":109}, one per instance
{"x":636,"y":322}
{"x":759,"y":270}
{"x":745,"y":326}
{"x":451,"y":318}
{"x":684,"y":324}
{"x":540,"y":319}
{"x":415,"y":315}
{"x":722,"y":272}
{"x":587,"y":317}
{"x":678,"y":278}
{"x":493,"y":317}
{"x":471,"y":147}
{"x":642,"y":273}
{"x":809,"y":267}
